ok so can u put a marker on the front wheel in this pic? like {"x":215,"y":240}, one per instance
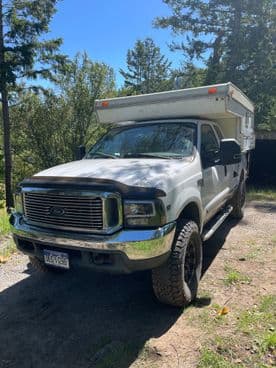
{"x":176,"y":282}
{"x":238,"y":201}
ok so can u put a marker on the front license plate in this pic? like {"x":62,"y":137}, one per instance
{"x":57,"y":259}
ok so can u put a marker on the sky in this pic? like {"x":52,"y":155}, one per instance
{"x":106,"y":29}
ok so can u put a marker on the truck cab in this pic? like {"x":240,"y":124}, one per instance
{"x":147,"y":194}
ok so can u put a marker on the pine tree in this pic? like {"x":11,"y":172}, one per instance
{"x":237,"y":41}
{"x":148,"y":70}
{"x":23,"y":55}
{"x":188,"y":76}
{"x":83,"y":81}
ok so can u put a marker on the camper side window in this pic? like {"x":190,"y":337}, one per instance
{"x":209,"y":147}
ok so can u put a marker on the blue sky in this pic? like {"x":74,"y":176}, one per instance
{"x":106,"y":29}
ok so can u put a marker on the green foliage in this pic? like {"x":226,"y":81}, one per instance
{"x":1,"y":169}
{"x":26,"y":55}
{"x":2,"y":192}
{"x":148,"y":70}
{"x":47,"y":128}
{"x":236,"y":40}
{"x":188,"y":76}
{"x":80,"y":84}
{"x":261,"y":194}
{"x":23,"y":55}
{"x":40,"y":133}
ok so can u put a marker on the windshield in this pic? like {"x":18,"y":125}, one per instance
{"x":161,"y":140}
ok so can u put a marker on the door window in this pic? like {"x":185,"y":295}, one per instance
{"x":209,"y":147}
{"x":218,"y":131}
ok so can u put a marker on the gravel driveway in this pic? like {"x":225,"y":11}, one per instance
{"x":77,"y":318}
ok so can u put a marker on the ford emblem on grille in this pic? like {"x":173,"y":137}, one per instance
{"x":56,"y":211}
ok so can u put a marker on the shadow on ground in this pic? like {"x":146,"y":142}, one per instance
{"x":212,"y":246}
{"x":82,"y":319}
{"x":264,"y":206}
{"x":63,"y":321}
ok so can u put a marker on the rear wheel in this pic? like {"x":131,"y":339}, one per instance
{"x":176,"y":282}
{"x":42,"y":267}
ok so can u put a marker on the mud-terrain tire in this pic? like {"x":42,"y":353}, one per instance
{"x":176,"y":282}
{"x":238,"y":201}
{"x":42,"y":267}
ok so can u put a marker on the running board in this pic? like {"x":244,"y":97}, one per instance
{"x":209,"y":232}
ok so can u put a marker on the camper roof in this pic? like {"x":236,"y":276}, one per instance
{"x":219,"y":101}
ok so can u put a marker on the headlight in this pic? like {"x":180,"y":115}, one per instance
{"x":144,"y":213}
{"x":18,"y":202}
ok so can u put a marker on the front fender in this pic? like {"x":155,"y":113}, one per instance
{"x":179,"y":199}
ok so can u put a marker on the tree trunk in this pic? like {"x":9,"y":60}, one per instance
{"x":235,"y":45}
{"x":6,"y":118}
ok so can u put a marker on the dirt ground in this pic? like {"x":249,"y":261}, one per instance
{"x":82,"y":319}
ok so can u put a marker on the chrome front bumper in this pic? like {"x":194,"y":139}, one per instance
{"x":135,"y":244}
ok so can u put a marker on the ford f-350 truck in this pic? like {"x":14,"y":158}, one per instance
{"x":147,"y":195}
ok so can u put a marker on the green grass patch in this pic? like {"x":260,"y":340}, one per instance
{"x":234,"y":276}
{"x":208,"y":318}
{"x":4,"y":222}
{"x":117,"y":355}
{"x":268,"y":304}
{"x":212,"y":359}
{"x":258,"y":324}
{"x":6,"y":250}
{"x":250,"y":320}
{"x":259,"y":318}
{"x":268,"y":342}
{"x":251,"y":343}
{"x":261,"y":194}
{"x":254,"y":253}
{"x":7,"y":246}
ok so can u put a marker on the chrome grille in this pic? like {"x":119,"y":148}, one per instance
{"x":62,"y":211}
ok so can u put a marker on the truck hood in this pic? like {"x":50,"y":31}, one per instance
{"x":157,"y":173}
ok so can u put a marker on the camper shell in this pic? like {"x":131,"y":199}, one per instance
{"x":224,"y":104}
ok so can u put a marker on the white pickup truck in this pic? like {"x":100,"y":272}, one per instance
{"x":148,"y":193}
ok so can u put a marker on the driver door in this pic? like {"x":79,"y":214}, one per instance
{"x":213,"y":191}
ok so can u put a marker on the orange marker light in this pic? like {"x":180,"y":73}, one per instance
{"x":212,"y":90}
{"x":105,"y":104}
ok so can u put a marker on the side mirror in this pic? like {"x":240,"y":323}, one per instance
{"x":230,"y":152}
{"x":80,"y":152}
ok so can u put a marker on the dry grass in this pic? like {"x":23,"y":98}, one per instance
{"x":7,"y":246}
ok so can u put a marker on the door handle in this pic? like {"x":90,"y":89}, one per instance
{"x":200,"y":182}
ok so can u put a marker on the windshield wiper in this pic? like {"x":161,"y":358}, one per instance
{"x":146,"y":155}
{"x":101,"y":154}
